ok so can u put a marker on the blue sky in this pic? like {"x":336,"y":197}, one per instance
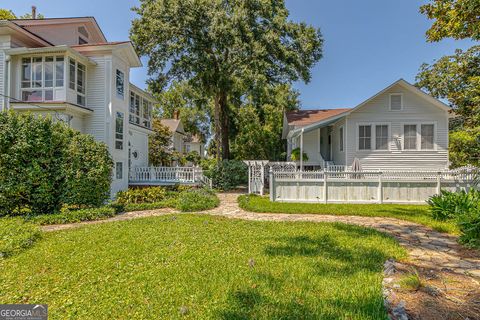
{"x":368,"y":44}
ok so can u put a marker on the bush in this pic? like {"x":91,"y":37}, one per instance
{"x":464,"y":207}
{"x":227,"y":174}
{"x":45,"y":164}
{"x":169,"y":203}
{"x":16,"y":235}
{"x":142,"y":195}
{"x":295,"y":156}
{"x":469,"y":224}
{"x":73,"y":216}
{"x":197,"y":200}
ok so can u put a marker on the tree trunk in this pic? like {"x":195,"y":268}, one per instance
{"x":218,"y":127}
{"x":225,"y":126}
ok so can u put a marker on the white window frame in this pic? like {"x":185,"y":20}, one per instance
{"x":116,"y":170}
{"x":76,"y":90}
{"x":390,"y":101}
{"x":373,"y":142}
{"x":122,"y":139}
{"x":341,"y":139}
{"x":419,"y":136}
{"x":120,"y":95}
{"x":42,"y":88}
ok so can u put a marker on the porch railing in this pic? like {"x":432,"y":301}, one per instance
{"x":168,"y":175}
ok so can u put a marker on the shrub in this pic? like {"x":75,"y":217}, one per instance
{"x":73,"y":216}
{"x":449,"y":205}
{"x":197,"y":200}
{"x":227,"y":174}
{"x":16,"y":235}
{"x":295,"y":156}
{"x":169,"y":203}
{"x":44,"y":164}
{"x":142,"y":195}
{"x":469,"y":224}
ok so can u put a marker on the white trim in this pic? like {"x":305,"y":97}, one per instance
{"x":341,"y":138}
{"x":419,"y":135}
{"x":373,"y":136}
{"x":401,"y":101}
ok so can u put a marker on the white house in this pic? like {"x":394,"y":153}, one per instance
{"x":66,"y":67}
{"x":399,"y":128}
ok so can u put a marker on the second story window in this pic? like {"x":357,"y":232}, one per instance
{"x":140,"y":110}
{"x":40,"y":76}
{"x":77,"y":76}
{"x":119,"y":131}
{"x":147,"y":110}
{"x":120,"y":84}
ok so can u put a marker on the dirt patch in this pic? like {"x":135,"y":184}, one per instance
{"x":428,"y":294}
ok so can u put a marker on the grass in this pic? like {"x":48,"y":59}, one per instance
{"x":16,"y":235}
{"x":415,"y":213}
{"x":203,"y":267}
{"x":411,"y":281}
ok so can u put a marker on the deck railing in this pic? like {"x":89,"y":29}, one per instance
{"x":167,"y":175}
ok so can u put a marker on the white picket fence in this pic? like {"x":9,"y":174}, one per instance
{"x":168,"y":176}
{"x":366,"y":186}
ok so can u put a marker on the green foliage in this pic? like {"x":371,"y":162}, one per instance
{"x":226,"y":174}
{"x":142,"y":195}
{"x":167,"y":203}
{"x":469,"y":224}
{"x":411,"y":281}
{"x":295,"y":156}
{"x":193,"y":157}
{"x":259,"y":123}
{"x":215,"y":268}
{"x":194,"y":107}
{"x":197,"y":200}
{"x":457,"y":79}
{"x":159,"y":153}
{"x":464,"y":147}
{"x":87,"y":167}
{"x":463,"y":208}
{"x":74,"y":216}
{"x":225,"y":49}
{"x":449,"y":205}
{"x":458,"y":19}
{"x":415,"y":213}
{"x":6,"y":14}
{"x":44,"y":164}
{"x":16,"y":235}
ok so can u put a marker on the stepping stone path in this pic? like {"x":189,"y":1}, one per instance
{"x":427,"y":248}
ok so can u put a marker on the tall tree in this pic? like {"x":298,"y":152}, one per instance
{"x":222,"y":45}
{"x":193,"y":107}
{"x":458,"y":19}
{"x":457,"y":79}
{"x":158,"y":144}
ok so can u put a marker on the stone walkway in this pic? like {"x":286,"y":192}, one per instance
{"x":427,"y":248}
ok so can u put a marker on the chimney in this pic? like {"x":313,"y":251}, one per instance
{"x":176,"y":114}
{"x":34,"y":12}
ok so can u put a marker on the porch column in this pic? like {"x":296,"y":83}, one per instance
{"x":301,"y":151}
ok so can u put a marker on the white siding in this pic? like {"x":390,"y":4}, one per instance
{"x":416,"y":110}
{"x":338,"y":156}
{"x":138,"y":143}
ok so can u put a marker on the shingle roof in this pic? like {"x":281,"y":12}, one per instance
{"x":306,"y":117}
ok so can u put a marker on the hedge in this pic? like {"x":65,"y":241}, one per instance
{"x":44,"y":164}
{"x":73,"y":216}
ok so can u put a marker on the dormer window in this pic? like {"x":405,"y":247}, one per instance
{"x":396,"y":102}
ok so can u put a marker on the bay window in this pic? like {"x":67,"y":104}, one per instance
{"x":40,"y":76}
{"x":140,"y":110}
{"x":77,"y":76}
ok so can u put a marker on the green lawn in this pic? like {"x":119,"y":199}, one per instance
{"x":415,"y":213}
{"x":203,"y":267}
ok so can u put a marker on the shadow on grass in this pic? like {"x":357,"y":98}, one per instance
{"x":273,"y":298}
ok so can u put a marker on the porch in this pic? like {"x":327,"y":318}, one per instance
{"x":168,"y":176}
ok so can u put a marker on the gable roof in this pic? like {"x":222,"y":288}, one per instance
{"x":173,"y":125}
{"x":305,"y":117}
{"x":405,"y":84}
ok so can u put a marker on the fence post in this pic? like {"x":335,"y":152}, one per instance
{"x":194,"y":175}
{"x":249,"y":178}
{"x":380,"y":188}
{"x":325,"y":187}
{"x":271,"y":185}
{"x":152,"y":174}
{"x":439,"y":182}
